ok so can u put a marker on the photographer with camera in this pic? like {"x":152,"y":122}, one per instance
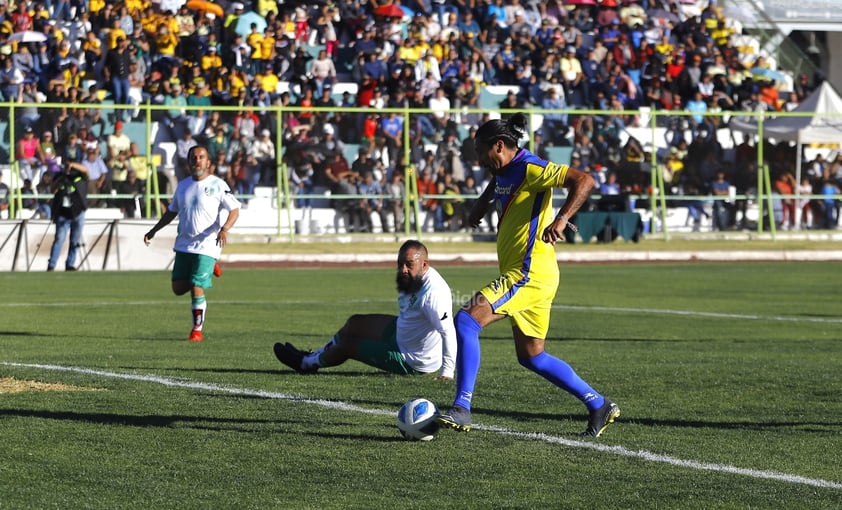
{"x":70,"y":201}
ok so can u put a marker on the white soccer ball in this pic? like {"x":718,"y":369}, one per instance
{"x":417,"y":420}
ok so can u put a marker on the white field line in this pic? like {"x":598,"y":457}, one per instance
{"x":616,"y":309}
{"x":696,"y":313}
{"x":342,"y":406}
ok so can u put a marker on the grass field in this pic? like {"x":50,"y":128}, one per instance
{"x":728,"y":376}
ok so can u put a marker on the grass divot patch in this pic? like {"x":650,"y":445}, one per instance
{"x":10,"y":385}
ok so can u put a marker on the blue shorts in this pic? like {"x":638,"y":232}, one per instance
{"x":195,"y":268}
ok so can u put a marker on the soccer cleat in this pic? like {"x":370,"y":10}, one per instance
{"x":457,"y":417}
{"x":599,"y":419}
{"x":292,"y":357}
{"x":217,"y":269}
{"x":195,"y":336}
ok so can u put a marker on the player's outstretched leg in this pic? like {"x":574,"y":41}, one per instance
{"x":292,"y":357}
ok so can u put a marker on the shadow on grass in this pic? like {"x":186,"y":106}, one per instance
{"x":196,"y":422}
{"x":280,"y":371}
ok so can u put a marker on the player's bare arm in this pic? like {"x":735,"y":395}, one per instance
{"x":165,"y":220}
{"x":480,"y":207}
{"x":579,"y":185}
{"x":222,"y":236}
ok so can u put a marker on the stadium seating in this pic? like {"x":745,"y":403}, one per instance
{"x":559,"y":155}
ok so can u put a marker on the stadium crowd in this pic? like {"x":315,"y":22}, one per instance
{"x":615,"y":56}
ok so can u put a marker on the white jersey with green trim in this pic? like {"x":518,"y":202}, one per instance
{"x":425,"y":332}
{"x":198,"y":205}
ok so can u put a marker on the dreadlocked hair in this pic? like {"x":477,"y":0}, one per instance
{"x":510,"y":129}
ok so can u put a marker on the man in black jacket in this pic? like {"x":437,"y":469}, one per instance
{"x":68,"y":212}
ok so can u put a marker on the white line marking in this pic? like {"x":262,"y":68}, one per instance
{"x":652,"y":311}
{"x":694,"y":313}
{"x":343,"y":406}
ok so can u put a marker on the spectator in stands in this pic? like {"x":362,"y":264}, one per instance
{"x":511,"y":102}
{"x":335,"y":166}
{"x":586,"y":150}
{"x":182,"y":153}
{"x":831,"y":204}
{"x":117,"y":70}
{"x":5,"y":196}
{"x":346,"y":207}
{"x":373,"y":204}
{"x":199,"y":95}
{"x":452,"y":206}
{"x":28,"y":98}
{"x":802,"y":88}
{"x":176,"y":115}
{"x":138,"y":163}
{"x":433,"y":213}
{"x":98,"y":175}
{"x":11,"y":79}
{"x":323,"y":71}
{"x":395,"y":191}
{"x":49,"y":153}
{"x":698,"y":106}
{"x":370,"y":125}
{"x":785,"y":185}
{"x":468,"y":153}
{"x":29,"y":156}
{"x":555,"y":123}
{"x":218,"y":139}
{"x":118,"y":141}
{"x":329,"y":142}
{"x":722,"y":208}
{"x":391,"y":127}
{"x":804,"y":207}
{"x":325,"y":100}
{"x":132,"y":206}
{"x":573,"y":78}
{"x":261,"y":160}
{"x":118,"y":168}
{"x":43,"y":204}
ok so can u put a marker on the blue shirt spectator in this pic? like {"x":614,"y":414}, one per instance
{"x":468,"y":25}
{"x":376,"y":68}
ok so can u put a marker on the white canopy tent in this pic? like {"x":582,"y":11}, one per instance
{"x":820,"y":122}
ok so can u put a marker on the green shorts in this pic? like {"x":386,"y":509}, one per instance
{"x":384,"y":353}
{"x":195,"y":268}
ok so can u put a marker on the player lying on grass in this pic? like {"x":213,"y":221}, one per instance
{"x":419,"y":340}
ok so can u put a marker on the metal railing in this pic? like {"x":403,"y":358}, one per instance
{"x":657,"y":200}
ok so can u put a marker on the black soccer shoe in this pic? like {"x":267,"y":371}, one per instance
{"x":292,"y":357}
{"x":599,"y":420}
{"x":457,"y":417}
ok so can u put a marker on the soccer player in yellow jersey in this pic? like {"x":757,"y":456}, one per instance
{"x":527,"y":232}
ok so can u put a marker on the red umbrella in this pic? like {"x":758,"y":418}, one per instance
{"x":389,"y":11}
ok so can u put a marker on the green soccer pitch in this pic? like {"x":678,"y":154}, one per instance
{"x":728,"y":376}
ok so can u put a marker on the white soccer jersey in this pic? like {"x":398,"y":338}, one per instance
{"x":198,"y":204}
{"x":425,"y":332}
